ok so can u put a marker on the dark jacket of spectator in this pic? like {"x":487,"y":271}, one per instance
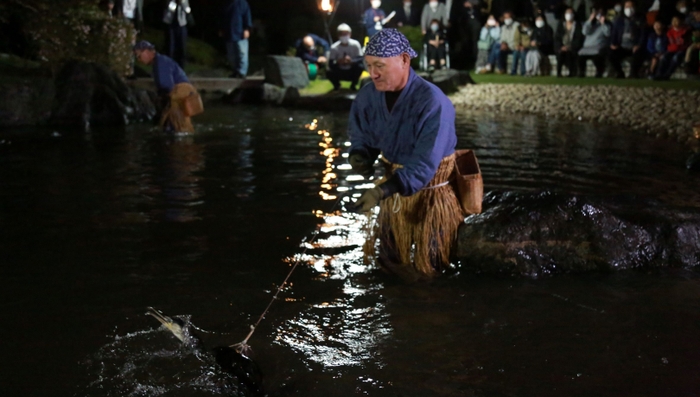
{"x":544,"y":38}
{"x":576,"y":40}
{"x":370,"y":23}
{"x":653,"y":47}
{"x":237,"y":18}
{"x":403,"y":19}
{"x":637,"y":28}
{"x":311,"y":55}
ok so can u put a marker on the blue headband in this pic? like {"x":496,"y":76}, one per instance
{"x":143,"y":45}
{"x":389,"y":43}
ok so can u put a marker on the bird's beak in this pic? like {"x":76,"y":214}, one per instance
{"x":167,"y":322}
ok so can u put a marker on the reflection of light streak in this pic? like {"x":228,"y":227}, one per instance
{"x":353,"y":178}
{"x":344,"y":167}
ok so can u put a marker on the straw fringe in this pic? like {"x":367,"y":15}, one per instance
{"x":421,"y":234}
{"x":174,"y":112}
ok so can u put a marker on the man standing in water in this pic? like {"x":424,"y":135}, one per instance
{"x":411,"y":123}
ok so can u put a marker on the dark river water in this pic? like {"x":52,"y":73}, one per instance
{"x":93,"y":229}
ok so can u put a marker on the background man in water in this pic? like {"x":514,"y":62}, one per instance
{"x":411,"y":123}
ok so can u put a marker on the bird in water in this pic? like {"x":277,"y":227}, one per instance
{"x":244,"y":372}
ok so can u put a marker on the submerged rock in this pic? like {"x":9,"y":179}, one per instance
{"x":537,"y":234}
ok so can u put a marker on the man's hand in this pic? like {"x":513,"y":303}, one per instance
{"x":563,"y":48}
{"x":377,"y":19}
{"x":613,"y":47}
{"x":321,"y":59}
{"x":246,"y":34}
{"x":361,"y":165}
{"x":635,"y":49}
{"x":369,"y":200}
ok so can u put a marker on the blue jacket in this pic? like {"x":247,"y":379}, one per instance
{"x":167,"y":73}
{"x":368,"y":19}
{"x":651,"y":43}
{"x":237,"y":17}
{"x":312,"y":55}
{"x":618,"y":29}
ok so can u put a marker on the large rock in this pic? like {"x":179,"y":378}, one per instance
{"x":286,"y":71}
{"x":448,"y":80}
{"x":257,"y":92}
{"x":545,"y":233}
{"x":25,"y":101}
{"x":91,"y":94}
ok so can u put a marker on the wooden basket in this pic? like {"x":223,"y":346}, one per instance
{"x":470,"y":186}
{"x":193,"y":104}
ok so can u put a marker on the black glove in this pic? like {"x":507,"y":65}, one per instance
{"x":361,"y":165}
{"x":369,"y":200}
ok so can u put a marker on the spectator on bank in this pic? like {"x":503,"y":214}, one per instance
{"x":596,"y":32}
{"x":657,"y":44}
{"x":176,"y":17}
{"x":568,"y":40}
{"x":678,"y":43}
{"x":435,"y":44}
{"x":374,"y":18}
{"x":407,"y":14}
{"x":627,"y":40}
{"x":313,"y":49}
{"x":693,"y":21}
{"x":237,"y":25}
{"x":551,"y":10}
{"x":508,"y":44}
{"x":489,"y":46}
{"x":433,"y":10}
{"x":131,"y":10}
{"x":108,"y":7}
{"x":615,"y":12}
{"x":692,"y":54}
{"x":541,"y":46}
{"x":345,"y":62}
{"x":522,"y":45}
{"x":582,"y":8}
{"x":653,"y":12}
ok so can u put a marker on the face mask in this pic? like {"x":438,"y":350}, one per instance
{"x":569,"y":17}
{"x":618,"y":8}
{"x":491,"y":22}
{"x":376,"y":4}
{"x":508,"y":21}
{"x":539,"y":23}
{"x":434,"y":27}
{"x":682,"y":10}
{"x":344,"y":39}
{"x":407,"y":4}
{"x":629,"y":12}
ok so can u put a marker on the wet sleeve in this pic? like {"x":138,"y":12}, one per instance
{"x":360,"y":138}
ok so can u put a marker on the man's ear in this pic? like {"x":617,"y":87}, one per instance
{"x":406,"y":59}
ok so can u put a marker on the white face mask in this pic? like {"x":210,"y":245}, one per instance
{"x":618,"y":8}
{"x":539,"y":23}
{"x":491,"y":22}
{"x":569,"y":17}
{"x":629,"y":12}
{"x":683,"y":10}
{"x":376,"y":4}
{"x":344,"y":39}
{"x":406,"y":3}
{"x":433,"y":4}
{"x":434,"y":27}
{"x":508,"y":21}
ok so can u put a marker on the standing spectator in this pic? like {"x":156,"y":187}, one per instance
{"x":508,"y":43}
{"x":313,"y":49}
{"x":596,"y":42}
{"x":692,"y":62}
{"x":345,"y":60}
{"x":522,"y":46}
{"x":581,"y":8}
{"x":177,"y":16}
{"x":627,"y":40}
{"x":435,"y":40}
{"x":616,"y":11}
{"x":374,"y":18}
{"x":108,"y":6}
{"x":568,"y":40}
{"x":131,"y":10}
{"x":657,"y":44}
{"x":465,"y":34}
{"x":433,"y":10}
{"x":238,"y":23}
{"x":551,"y":9}
{"x":489,"y":46}
{"x":541,"y":46}
{"x":678,"y":42}
{"x":407,"y":14}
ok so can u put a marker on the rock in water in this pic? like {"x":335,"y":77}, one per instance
{"x":529,"y":234}
{"x":693,"y":162}
{"x":286,"y":71}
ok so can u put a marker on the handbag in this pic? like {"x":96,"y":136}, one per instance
{"x":470,"y":185}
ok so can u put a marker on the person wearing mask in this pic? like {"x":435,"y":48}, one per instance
{"x":627,"y":40}
{"x":568,"y":40}
{"x":435,"y":41}
{"x":596,"y":32}
{"x":345,"y":59}
{"x":172,"y":86}
{"x":131,"y":10}
{"x":551,"y":10}
{"x":581,"y":8}
{"x":313,"y":49}
{"x":176,"y":17}
{"x":522,"y":46}
{"x":489,"y":46}
{"x":407,"y":14}
{"x":541,"y":46}
{"x":615,"y":12}
{"x":678,"y":42}
{"x":657,"y":44}
{"x":238,"y":23}
{"x":508,"y":43}
{"x":433,"y":10}
{"x":374,"y":18}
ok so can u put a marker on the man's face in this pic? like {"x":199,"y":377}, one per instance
{"x":658,"y":28}
{"x":388,"y":74}
{"x":308,"y":43}
{"x":144,"y":56}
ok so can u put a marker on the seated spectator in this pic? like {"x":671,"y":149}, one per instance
{"x":345,"y":59}
{"x":489,"y":46}
{"x":508,"y":44}
{"x":522,"y":45}
{"x":596,"y":32}
{"x":374,"y":18}
{"x":435,"y":40}
{"x":693,"y":21}
{"x":657,"y":43}
{"x":678,"y":43}
{"x":627,"y":40}
{"x":692,"y":62}
{"x":313,"y":49}
{"x":541,"y":45}
{"x":433,"y":10}
{"x":568,"y":40}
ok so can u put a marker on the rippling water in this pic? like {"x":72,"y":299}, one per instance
{"x":95,"y":228}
